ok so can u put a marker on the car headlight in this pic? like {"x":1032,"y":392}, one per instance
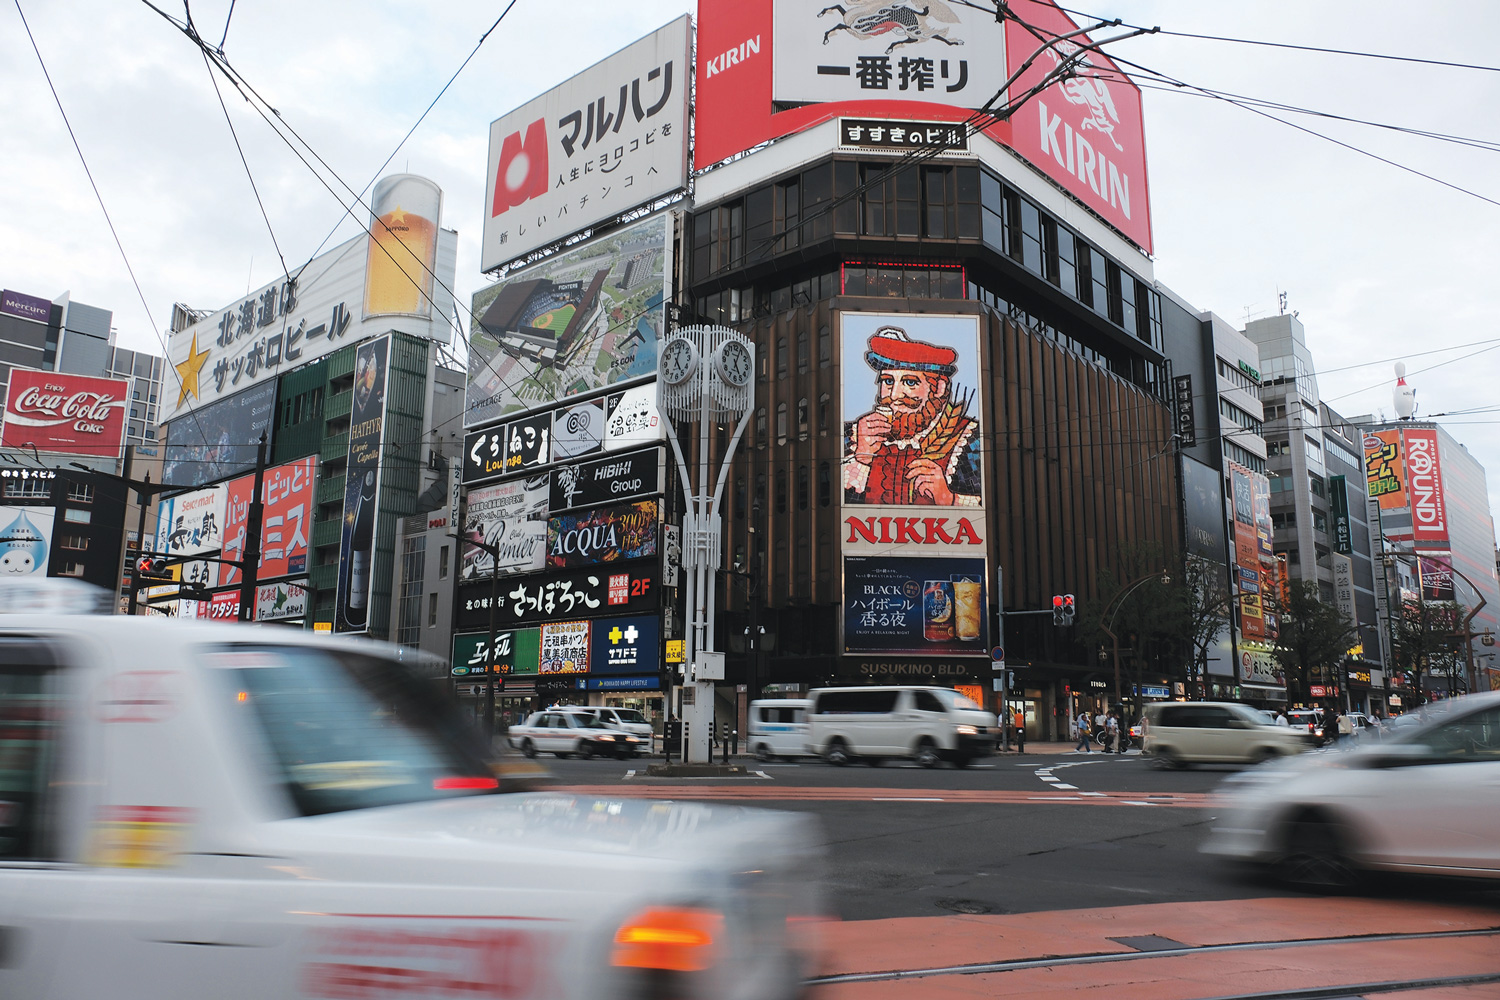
{"x":967,"y":731}
{"x":631,"y":739}
{"x":606,"y":736}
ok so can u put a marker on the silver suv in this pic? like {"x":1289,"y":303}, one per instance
{"x":1215,"y":732}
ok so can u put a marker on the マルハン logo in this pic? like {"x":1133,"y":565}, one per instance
{"x":522,"y":172}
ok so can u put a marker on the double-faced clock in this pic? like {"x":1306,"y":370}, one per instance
{"x":733,"y":364}
{"x":679,"y":360}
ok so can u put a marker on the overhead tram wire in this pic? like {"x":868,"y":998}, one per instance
{"x":99,"y":197}
{"x":1311,"y":48}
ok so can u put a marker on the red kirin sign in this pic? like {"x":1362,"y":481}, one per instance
{"x":61,"y":413}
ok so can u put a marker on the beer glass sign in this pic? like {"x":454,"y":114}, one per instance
{"x":404,"y":215}
{"x":922,"y":605}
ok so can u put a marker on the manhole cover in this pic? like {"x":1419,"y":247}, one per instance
{"x":1150,"y":942}
{"x":964,"y":905}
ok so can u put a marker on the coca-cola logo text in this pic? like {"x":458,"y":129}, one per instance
{"x":49,"y":405}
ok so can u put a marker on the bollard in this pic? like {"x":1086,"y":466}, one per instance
{"x":726,"y":748}
{"x":735,"y":738}
{"x":683,"y":748}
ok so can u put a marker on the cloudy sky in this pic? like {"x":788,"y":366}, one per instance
{"x":1379,"y":262}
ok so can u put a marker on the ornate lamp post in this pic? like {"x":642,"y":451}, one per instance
{"x":704,"y":379}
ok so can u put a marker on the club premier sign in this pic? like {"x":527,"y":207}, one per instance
{"x":68,"y":414}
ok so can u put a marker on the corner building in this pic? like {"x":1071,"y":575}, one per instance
{"x":1036,"y":325}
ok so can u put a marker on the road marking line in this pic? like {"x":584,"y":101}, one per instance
{"x":630,"y":773}
{"x":911,"y":798}
{"x":1071,"y":788}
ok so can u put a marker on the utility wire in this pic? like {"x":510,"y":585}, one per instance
{"x":1307,"y":48}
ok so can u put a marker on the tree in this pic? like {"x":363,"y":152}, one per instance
{"x":1206,"y":603}
{"x":1427,"y":640}
{"x":1314,"y":636}
{"x":1148,"y":620}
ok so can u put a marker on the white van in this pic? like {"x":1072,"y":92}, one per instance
{"x":926,"y":724}
{"x":1209,"y":732}
{"x":778,"y":727}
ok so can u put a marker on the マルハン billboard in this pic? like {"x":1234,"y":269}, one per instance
{"x":63,"y":413}
{"x":896,"y":60}
{"x":579,"y":321}
{"x":338,"y":298}
{"x":608,"y":140}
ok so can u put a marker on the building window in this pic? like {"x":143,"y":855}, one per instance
{"x":781,"y":491}
{"x":1315,"y":484}
{"x":802,"y":419}
{"x":823,"y":406}
{"x":150,"y":435}
{"x":135,"y":412}
{"x":825,"y":346}
{"x":825,"y":485}
{"x":803,"y":487}
{"x":409,"y":623}
{"x":30,"y":487}
{"x":443,"y":563}
{"x":78,"y":516}
{"x":81,"y":492}
{"x":760,"y":427}
{"x":1320,"y":522}
{"x":760,"y":490}
{"x":432,"y":608}
{"x":802,"y":348}
{"x":78,"y":543}
{"x":71,"y":569}
{"x":781,"y":423}
{"x":781,"y":357}
{"x":739,"y":498}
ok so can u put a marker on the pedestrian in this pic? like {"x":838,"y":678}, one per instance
{"x":1084,"y":733}
{"x":1346,"y":730}
{"x":1020,"y":731}
{"x":1112,"y":732}
{"x":1281,"y":719}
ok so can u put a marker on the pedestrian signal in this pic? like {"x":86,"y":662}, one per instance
{"x":1069,"y":609}
{"x":152,"y":568}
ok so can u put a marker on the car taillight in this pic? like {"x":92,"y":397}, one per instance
{"x":674,"y":939}
{"x":461,"y":784}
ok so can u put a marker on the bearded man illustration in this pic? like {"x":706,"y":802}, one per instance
{"x":917,"y":446}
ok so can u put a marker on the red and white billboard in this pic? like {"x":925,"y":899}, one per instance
{"x":66,"y":414}
{"x":285,"y":525}
{"x":1091,"y":141}
{"x":1424,"y":486}
{"x":1085,"y":133}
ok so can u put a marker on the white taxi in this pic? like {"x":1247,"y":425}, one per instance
{"x":569,"y":734}
{"x":245,"y":812}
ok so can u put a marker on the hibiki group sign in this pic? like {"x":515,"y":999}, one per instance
{"x":66,"y":414}
{"x":608,"y":140}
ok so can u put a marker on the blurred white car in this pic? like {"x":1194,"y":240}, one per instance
{"x":569,"y":733}
{"x":1424,"y":799}
{"x":251,"y":813}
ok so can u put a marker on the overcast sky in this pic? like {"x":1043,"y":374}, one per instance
{"x":1379,"y":263}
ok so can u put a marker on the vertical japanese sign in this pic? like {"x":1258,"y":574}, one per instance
{"x":286,"y":520}
{"x":1338,"y":503}
{"x":362,"y":486}
{"x":1182,"y":397}
{"x":1248,"y":575}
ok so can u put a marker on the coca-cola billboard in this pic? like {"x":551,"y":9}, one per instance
{"x":64,"y":414}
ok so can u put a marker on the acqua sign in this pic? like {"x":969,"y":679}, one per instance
{"x":59,"y":412}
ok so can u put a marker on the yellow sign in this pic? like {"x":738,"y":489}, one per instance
{"x":322,"y":626}
{"x":676,"y":650}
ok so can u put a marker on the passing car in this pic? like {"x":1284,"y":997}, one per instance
{"x":253,"y":813}
{"x":1214,"y":732}
{"x":926,"y":724}
{"x":571,"y":734}
{"x":1424,"y":799}
{"x":1310,"y":721}
{"x":625,"y":720}
{"x":778,"y":727}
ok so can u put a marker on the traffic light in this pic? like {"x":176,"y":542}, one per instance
{"x":1069,"y":609}
{"x":1057,"y":610}
{"x":152,"y":567}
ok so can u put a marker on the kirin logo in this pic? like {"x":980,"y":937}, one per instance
{"x":1090,"y":91}
{"x":522,"y":172}
{"x":907,"y":21}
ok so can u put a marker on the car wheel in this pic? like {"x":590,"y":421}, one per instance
{"x":1314,"y":856}
{"x":762,"y":752}
{"x":528,"y":748}
{"x":837,"y":753}
{"x":586,"y":750}
{"x":961,"y":762}
{"x":561,"y":754}
{"x":1262,"y":755}
{"x":927,"y":755}
{"x":874,"y":761}
{"x":1166,"y":760}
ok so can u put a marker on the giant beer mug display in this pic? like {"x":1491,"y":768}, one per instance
{"x":403,"y":246}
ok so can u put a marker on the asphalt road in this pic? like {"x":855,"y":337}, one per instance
{"x":932,"y":846}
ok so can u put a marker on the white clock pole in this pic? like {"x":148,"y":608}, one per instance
{"x":704,"y":378}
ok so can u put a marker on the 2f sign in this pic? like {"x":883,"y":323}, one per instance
{"x":522,"y":172}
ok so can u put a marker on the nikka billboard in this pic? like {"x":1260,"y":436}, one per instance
{"x":933,"y":61}
{"x":610,"y":139}
{"x":67,"y":414}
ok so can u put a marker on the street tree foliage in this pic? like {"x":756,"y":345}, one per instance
{"x":1427,"y":640}
{"x":1206,"y":610}
{"x":1313,"y":640}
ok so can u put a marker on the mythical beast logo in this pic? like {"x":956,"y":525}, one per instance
{"x":1088,"y":89}
{"x":907,"y":21}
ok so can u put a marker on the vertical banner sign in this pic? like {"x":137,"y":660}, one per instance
{"x":1182,"y":393}
{"x":1338,"y":502}
{"x":362,"y":486}
{"x":1343,"y":586}
{"x":1260,"y":488}
{"x":1246,"y":554}
{"x":1424,"y":484}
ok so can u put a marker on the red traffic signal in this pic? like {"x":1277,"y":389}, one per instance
{"x":1057,"y":600}
{"x":152,"y":568}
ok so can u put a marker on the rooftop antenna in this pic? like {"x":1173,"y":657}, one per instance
{"x":1281,"y":298}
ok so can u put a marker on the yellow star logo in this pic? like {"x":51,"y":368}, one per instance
{"x":399,"y":215}
{"x":187,"y":372}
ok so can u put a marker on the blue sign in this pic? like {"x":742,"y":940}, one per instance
{"x":625,"y":645}
{"x":1152,"y":691}
{"x":624,"y":683}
